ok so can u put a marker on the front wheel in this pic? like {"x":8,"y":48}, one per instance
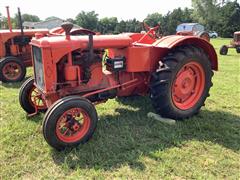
{"x":238,"y":49}
{"x":12,"y":69}
{"x":30,"y":99}
{"x":181,"y":85}
{"x":223,"y":50}
{"x":69,"y":122}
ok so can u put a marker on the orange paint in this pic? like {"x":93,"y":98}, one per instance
{"x":68,"y":60}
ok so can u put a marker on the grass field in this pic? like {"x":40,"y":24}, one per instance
{"x":127,"y":144}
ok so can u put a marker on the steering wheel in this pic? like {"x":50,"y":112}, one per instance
{"x":152,"y":31}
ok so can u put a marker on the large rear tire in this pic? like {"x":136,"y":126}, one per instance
{"x":180,"y":86}
{"x":29,"y":97}
{"x":223,"y":50}
{"x":12,"y":69}
{"x":69,"y":122}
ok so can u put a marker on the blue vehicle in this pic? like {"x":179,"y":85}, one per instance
{"x":192,"y":29}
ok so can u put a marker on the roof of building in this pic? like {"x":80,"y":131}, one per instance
{"x":29,"y":23}
{"x":49,"y":24}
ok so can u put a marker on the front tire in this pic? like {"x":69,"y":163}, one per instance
{"x":223,"y":50}
{"x":238,"y":49}
{"x":30,"y":98}
{"x":69,"y":122}
{"x":179,"y":88}
{"x":12,"y":69}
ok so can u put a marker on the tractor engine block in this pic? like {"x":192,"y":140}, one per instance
{"x":84,"y":60}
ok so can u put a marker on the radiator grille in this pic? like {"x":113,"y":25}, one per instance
{"x":38,"y":67}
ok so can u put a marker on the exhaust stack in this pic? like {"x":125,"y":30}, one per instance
{"x":20,"y":21}
{"x":9,"y":19}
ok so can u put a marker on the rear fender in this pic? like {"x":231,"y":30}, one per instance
{"x":174,"y":41}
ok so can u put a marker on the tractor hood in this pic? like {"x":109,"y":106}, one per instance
{"x":61,"y":45}
{"x":81,"y":42}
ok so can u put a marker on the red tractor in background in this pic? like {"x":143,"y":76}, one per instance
{"x":235,"y":43}
{"x":15,"y":51}
{"x":70,"y":78}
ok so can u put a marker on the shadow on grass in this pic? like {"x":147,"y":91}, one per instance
{"x":122,"y":139}
{"x":15,"y":85}
{"x":35,"y":118}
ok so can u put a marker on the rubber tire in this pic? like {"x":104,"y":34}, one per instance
{"x":162,"y":80}
{"x":238,"y":49}
{"x":214,"y":36}
{"x":23,"y":96}
{"x":223,"y":50}
{"x":8,"y":59}
{"x":56,"y":110}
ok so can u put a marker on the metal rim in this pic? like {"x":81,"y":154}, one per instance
{"x":12,"y":70}
{"x":72,"y":125}
{"x":35,"y":98}
{"x":188,"y":85}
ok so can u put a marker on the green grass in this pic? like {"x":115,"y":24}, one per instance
{"x":127,"y":144}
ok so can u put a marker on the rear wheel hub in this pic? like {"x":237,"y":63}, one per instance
{"x":188,"y":85}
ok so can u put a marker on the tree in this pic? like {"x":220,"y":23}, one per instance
{"x":107,"y":25}
{"x":4,"y":23}
{"x":30,"y":17}
{"x":1,"y":20}
{"x":154,"y":19}
{"x":229,"y":19}
{"x":222,"y":2}
{"x":71,"y":20}
{"x":120,"y":27}
{"x":205,"y":12}
{"x":88,"y":20}
{"x":222,"y":16}
{"x":174,"y":18}
{"x":25,"y":17}
{"x":133,"y":25}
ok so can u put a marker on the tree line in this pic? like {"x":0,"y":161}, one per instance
{"x":222,"y":16}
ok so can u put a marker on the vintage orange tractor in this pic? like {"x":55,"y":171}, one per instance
{"x":70,"y":77}
{"x":235,"y":43}
{"x":15,"y":51}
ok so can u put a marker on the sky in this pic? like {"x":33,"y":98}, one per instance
{"x":122,"y":9}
